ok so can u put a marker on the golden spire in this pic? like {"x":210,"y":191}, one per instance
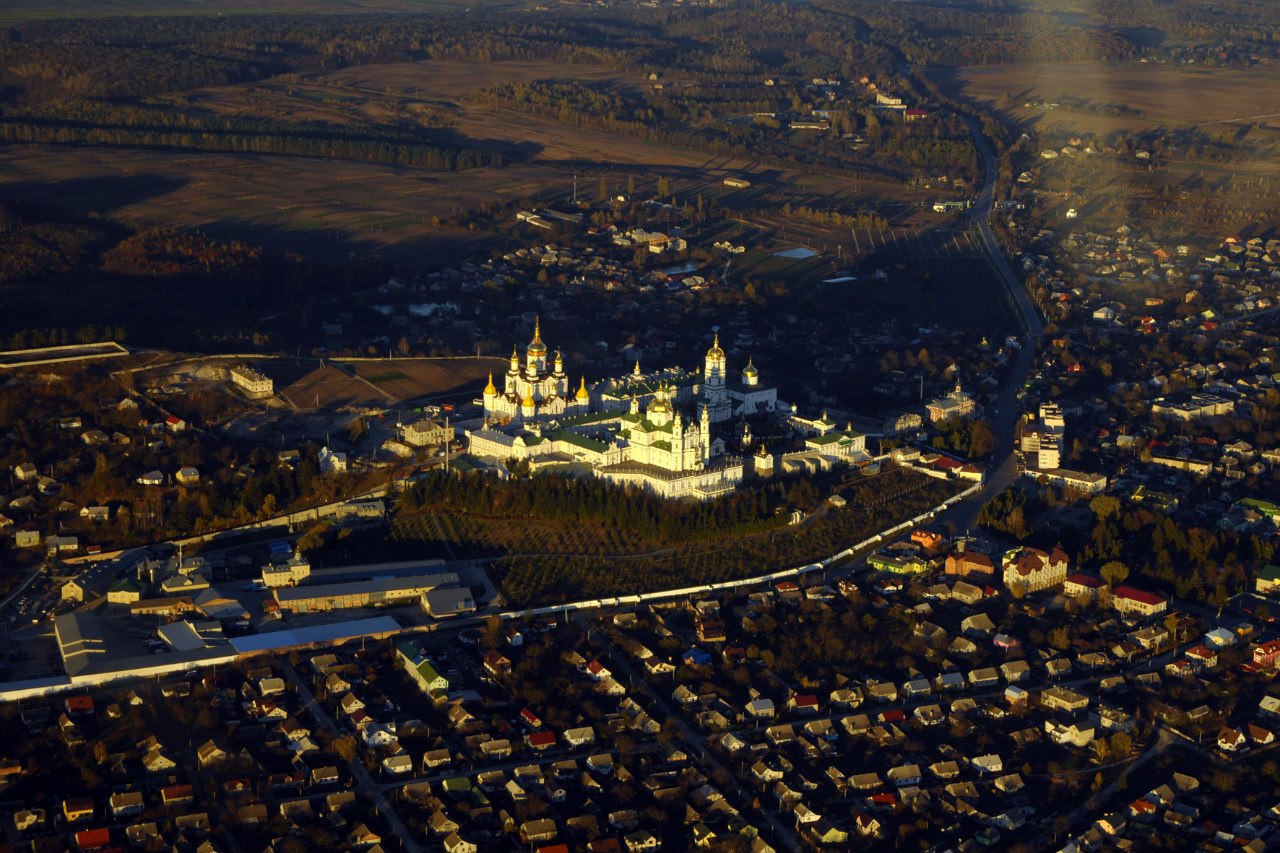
{"x":582,"y":390}
{"x":637,"y":370}
{"x":715,"y":351}
{"x":490,"y":389}
{"x":536,"y":346}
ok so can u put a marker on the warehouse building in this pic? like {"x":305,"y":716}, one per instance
{"x":379,"y":592}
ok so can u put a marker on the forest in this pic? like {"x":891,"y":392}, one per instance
{"x":73,"y":280}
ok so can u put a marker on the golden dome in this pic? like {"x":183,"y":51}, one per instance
{"x":536,"y":346}
{"x":527,"y":403}
{"x":490,"y":390}
{"x":582,"y":390}
{"x":715,"y":351}
{"x":750,"y":369}
{"x":660,"y":406}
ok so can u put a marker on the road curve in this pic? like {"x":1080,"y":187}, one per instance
{"x":1001,"y":472}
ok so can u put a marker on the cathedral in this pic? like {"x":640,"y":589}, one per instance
{"x":534,"y":392}
{"x":630,"y":429}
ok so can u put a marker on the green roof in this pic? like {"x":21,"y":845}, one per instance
{"x":456,"y":785}
{"x":1269,"y":572}
{"x":589,"y":418}
{"x":1264,"y":507}
{"x":643,"y":424}
{"x":578,"y":440}
{"x":420,"y":662}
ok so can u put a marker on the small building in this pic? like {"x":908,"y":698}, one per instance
{"x":254,"y":384}
{"x":966,"y":563}
{"x":427,"y":433}
{"x":1131,"y":601}
{"x":448,"y":601}
{"x":1083,"y":587}
{"x":420,"y":667}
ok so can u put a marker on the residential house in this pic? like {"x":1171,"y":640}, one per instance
{"x":1230,"y":740}
{"x":1265,"y":655}
{"x":1063,"y":699}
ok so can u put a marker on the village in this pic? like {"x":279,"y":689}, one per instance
{"x":937,"y":691}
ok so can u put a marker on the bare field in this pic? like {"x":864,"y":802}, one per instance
{"x":329,"y":388}
{"x":408,"y":380}
{"x":306,"y":385}
{"x":1162,"y":95}
{"x":322,"y":209}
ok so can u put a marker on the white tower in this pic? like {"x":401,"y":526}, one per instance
{"x":714,"y":393}
{"x":704,"y":428}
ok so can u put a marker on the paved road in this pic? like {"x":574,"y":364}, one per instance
{"x":1001,"y":472}
{"x":621,"y":665}
{"x":364,"y":782}
{"x":1162,"y":741}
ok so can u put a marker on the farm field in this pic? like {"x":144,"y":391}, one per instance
{"x":23,"y":10}
{"x":329,"y":210}
{"x":1160,"y":95}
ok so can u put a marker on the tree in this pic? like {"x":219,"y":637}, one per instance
{"x":982,"y":439}
{"x":1218,"y":598}
{"x":1114,"y":573}
{"x":493,"y":631}
{"x":1105,"y":506}
{"x":345,"y":748}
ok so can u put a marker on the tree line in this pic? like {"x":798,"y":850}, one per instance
{"x":242,"y":134}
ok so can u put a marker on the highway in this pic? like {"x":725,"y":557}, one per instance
{"x":1001,"y":472}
